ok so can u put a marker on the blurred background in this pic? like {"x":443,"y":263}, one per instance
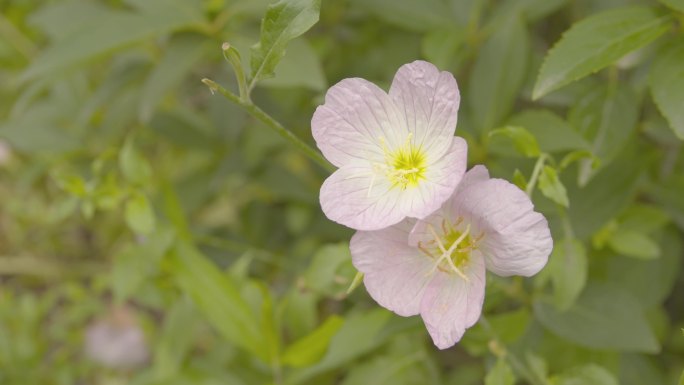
{"x":152,"y":232}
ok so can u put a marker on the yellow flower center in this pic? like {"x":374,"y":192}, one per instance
{"x":404,"y":166}
{"x":451,"y":248}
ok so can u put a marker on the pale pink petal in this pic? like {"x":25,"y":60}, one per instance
{"x":395,"y":274}
{"x":358,"y":197}
{"x":355,"y":119}
{"x":442,"y":175}
{"x":430,"y":100}
{"x":517,"y":240}
{"x":451,"y":304}
{"x":477,"y":174}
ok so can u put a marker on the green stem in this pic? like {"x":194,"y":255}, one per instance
{"x":232,"y":56}
{"x":265,"y":118}
{"x":535,"y":174}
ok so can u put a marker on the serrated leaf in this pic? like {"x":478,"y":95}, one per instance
{"x":568,"y":264}
{"x":667,"y":86}
{"x":604,"y":317}
{"x":500,"y":374}
{"x":284,"y":21}
{"x":634,"y":244}
{"x":139,"y":214}
{"x":596,"y":42}
{"x":551,"y":186}
{"x":524,"y":142}
{"x":311,"y":348}
{"x":498,"y":73}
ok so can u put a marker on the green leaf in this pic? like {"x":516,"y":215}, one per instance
{"x":568,"y":264}
{"x":180,"y":56}
{"x":388,"y":370}
{"x":310,"y":348}
{"x":359,"y":334}
{"x":553,"y":133}
{"x":524,"y":142}
{"x":136,"y":263}
{"x":634,"y":244}
{"x":419,"y":16}
{"x":104,"y":34}
{"x":498,"y":73}
{"x":519,"y":180}
{"x":677,"y":5}
{"x":139,"y":214}
{"x":284,"y":21}
{"x":300,"y":68}
{"x":500,"y":374}
{"x":509,"y":327}
{"x":320,"y":276}
{"x":133,"y":165}
{"x":596,"y":42}
{"x":218,"y":298}
{"x":644,"y":218}
{"x":606,"y":117}
{"x":604,"y":317}
{"x":552,"y":187}
{"x":667,"y":86}
{"x":176,"y":339}
{"x":590,"y":374}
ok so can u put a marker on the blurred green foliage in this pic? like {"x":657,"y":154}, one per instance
{"x":133,"y":196}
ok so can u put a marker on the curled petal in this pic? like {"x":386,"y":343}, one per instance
{"x":517,"y":240}
{"x":395,"y":274}
{"x":429,"y":100}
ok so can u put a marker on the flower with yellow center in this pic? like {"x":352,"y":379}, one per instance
{"x":396,"y":152}
{"x":436,"y":266}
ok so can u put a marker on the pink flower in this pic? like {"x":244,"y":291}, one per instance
{"x":396,"y":152}
{"x":435,"y":267}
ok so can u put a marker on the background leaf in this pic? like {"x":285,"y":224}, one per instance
{"x":597,"y":42}
{"x":667,"y":86}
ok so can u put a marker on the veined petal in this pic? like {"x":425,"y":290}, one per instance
{"x":451,"y":304}
{"x":355,"y":119}
{"x":395,"y":274}
{"x":441,"y":178}
{"x":361,"y":198}
{"x":429,"y":100}
{"x":517,"y":240}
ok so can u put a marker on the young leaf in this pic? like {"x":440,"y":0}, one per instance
{"x":596,"y":42}
{"x":524,"y":142}
{"x":552,"y":187}
{"x":568,"y":265}
{"x":604,"y":317}
{"x":311,"y":348}
{"x":133,"y":165}
{"x":284,"y":21}
{"x":634,"y":244}
{"x":498,"y":73}
{"x":667,"y":86}
{"x":500,"y":374}
{"x":139,"y":214}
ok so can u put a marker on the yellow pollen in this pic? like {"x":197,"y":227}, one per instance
{"x":404,"y":166}
{"x":450,"y":251}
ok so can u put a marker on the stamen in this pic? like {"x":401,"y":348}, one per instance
{"x":436,"y":238}
{"x":447,"y":253}
{"x":424,"y":250}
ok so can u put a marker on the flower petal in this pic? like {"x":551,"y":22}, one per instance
{"x":441,"y":179}
{"x":395,"y":274}
{"x":355,"y":116}
{"x":451,"y":304}
{"x":357,"y":197}
{"x":429,"y":100}
{"x":517,"y":239}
